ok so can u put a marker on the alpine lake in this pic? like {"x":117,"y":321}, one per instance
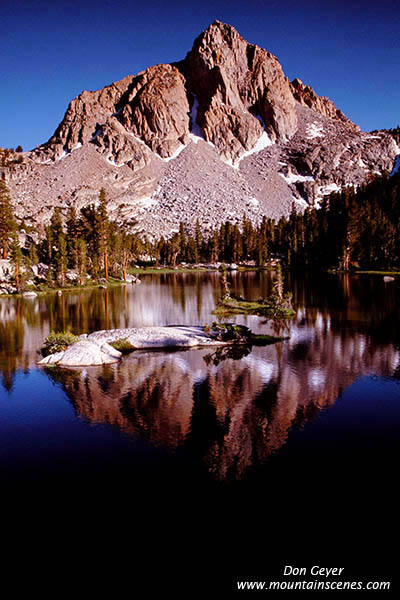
{"x":201,"y":467}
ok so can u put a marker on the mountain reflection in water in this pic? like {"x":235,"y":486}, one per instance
{"x":236,"y":414}
{"x":231,"y":415}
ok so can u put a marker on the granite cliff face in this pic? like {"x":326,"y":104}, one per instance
{"x":241,"y":91}
{"x":221,"y":133}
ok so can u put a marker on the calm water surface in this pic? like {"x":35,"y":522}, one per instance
{"x":282,"y":452}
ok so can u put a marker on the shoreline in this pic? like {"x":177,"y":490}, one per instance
{"x":183,"y":270}
{"x":133,"y":271}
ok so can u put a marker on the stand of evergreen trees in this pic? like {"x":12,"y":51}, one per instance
{"x":352,"y":229}
{"x":89,"y":243}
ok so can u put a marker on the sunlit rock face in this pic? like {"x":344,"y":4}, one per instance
{"x":219,"y":134}
{"x":236,"y":84}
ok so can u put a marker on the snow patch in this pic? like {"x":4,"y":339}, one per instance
{"x":314,"y":130}
{"x":361,"y":163}
{"x":229,"y":162}
{"x":261,"y":121}
{"x":325,"y":190}
{"x":68,"y":153}
{"x":138,"y":140}
{"x":300,"y":201}
{"x":112,"y":162}
{"x":262,"y":142}
{"x":196,"y":135}
{"x":175,"y":154}
{"x":63,"y":155}
{"x":196,"y":129}
{"x":292,"y":178}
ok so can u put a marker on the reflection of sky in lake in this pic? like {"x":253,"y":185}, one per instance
{"x":231,"y":415}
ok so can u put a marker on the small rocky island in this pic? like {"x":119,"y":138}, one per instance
{"x":278,"y":305}
{"x":108,"y":346}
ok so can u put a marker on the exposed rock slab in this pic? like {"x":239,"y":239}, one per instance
{"x":95,"y":349}
{"x":84,"y":353}
{"x":157,"y":337}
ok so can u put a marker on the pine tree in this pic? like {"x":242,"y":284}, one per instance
{"x":72,"y":226}
{"x":126,"y":250}
{"x":198,"y":242}
{"x":56,"y":224}
{"x":48,"y":249}
{"x":115,"y":242}
{"x":89,"y":233}
{"x":16,"y":258}
{"x":61,"y":260}
{"x":182,"y":242}
{"x":174,"y":249}
{"x":7,"y":224}
{"x":81,"y":253}
{"x":192,"y":255}
{"x":226,"y":291}
{"x":214,"y":247}
{"x":237,"y":244}
{"x":103,"y":231}
{"x":33,"y":256}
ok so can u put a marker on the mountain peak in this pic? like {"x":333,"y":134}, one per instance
{"x":174,"y":143}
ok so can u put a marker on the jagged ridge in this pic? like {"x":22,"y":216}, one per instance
{"x":220,"y":133}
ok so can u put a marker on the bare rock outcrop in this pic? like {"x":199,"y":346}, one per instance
{"x":120,"y":148}
{"x":157,"y":112}
{"x":84,"y":116}
{"x":321,"y":104}
{"x":236,"y":83}
{"x":84,"y":353}
{"x":96,"y":349}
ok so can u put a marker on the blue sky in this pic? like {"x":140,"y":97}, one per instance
{"x":51,"y":51}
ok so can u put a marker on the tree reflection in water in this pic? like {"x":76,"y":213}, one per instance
{"x":233,"y":413}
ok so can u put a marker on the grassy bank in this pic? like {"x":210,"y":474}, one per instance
{"x":231,"y":306}
{"x":382,"y":273}
{"x":167,"y":270}
{"x":43,"y":289}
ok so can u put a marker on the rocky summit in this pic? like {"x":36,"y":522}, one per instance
{"x":217,"y":135}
